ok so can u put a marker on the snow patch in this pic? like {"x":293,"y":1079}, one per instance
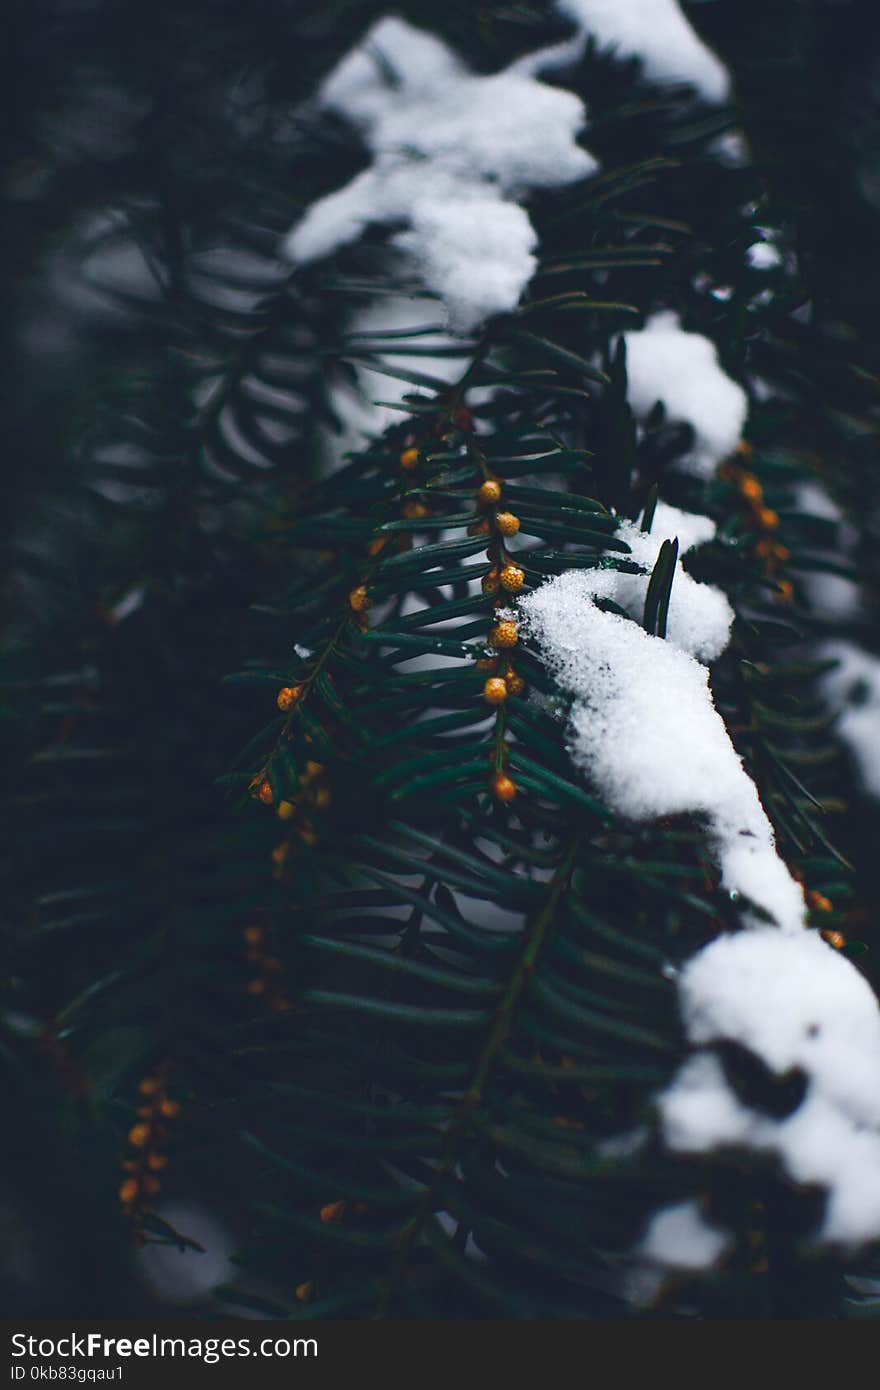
{"x":655,"y":31}
{"x":762,"y":255}
{"x":699,"y":617}
{"x":453,"y":155}
{"x":832,"y":598}
{"x":680,"y":1237}
{"x":795,"y":1003}
{"x":664,"y":363}
{"x":853,"y":689}
{"x":643,"y":727}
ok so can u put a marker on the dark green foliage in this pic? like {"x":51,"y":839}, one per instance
{"x":403,"y":994}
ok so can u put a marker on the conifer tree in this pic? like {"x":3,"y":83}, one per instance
{"x":436,"y":781}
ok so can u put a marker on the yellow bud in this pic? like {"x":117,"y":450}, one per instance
{"x":512,"y":578}
{"x":504,"y":634}
{"x":751,"y":489}
{"x":332,"y":1212}
{"x":490,"y":492}
{"x":504,"y":788}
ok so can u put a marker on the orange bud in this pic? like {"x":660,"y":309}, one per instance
{"x":504,"y":634}
{"x":304,"y":1291}
{"x":288,"y":697}
{"x":504,"y":788}
{"x":332,"y":1212}
{"x":128,"y":1192}
{"x":409,"y":458}
{"x":507,"y":523}
{"x":265,"y":794}
{"x":138,"y":1135}
{"x":414,"y":511}
{"x":512,"y":578}
{"x":490,"y":492}
{"x":495,"y":690}
{"x":818,"y":902}
{"x":359,"y":599}
{"x":751,"y":489}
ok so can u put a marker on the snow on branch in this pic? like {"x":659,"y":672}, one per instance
{"x":852,"y":688}
{"x":453,"y":154}
{"x":681,"y":1238}
{"x":804,"y":1010}
{"x":664,"y":363}
{"x":643,"y":727}
{"x":654,"y":31}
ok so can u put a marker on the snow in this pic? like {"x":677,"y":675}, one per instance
{"x":643,"y":728}
{"x":832,"y":597}
{"x":761,"y":255}
{"x":654,"y":31}
{"x":665,"y":363}
{"x":699,"y":616}
{"x":679,"y":1237}
{"x":453,"y":156}
{"x":815,"y":501}
{"x":798,"y":1004}
{"x":853,"y":689}
{"x":731,"y":149}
